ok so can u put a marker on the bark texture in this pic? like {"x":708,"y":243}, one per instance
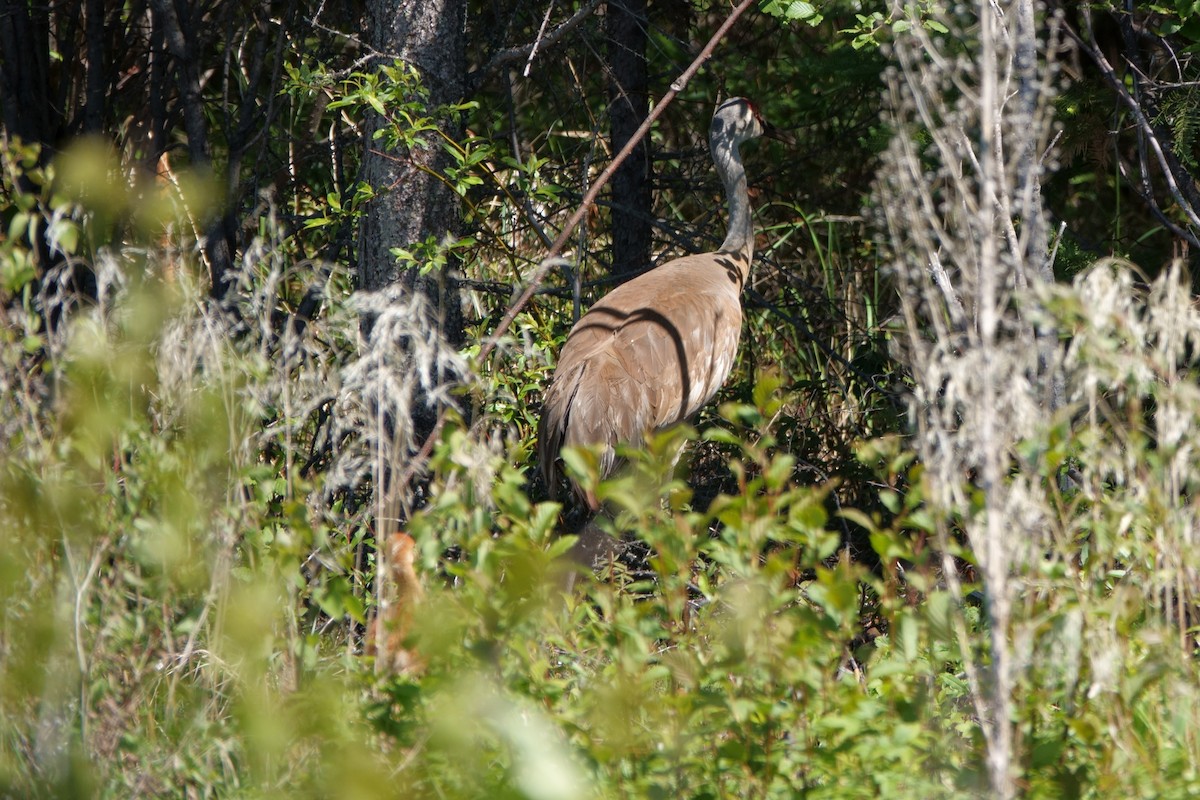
{"x":411,"y":203}
{"x":26,"y":92}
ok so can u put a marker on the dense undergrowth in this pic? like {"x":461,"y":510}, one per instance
{"x":186,"y":578}
{"x":191,"y":493}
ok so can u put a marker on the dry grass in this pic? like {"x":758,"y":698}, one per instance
{"x":1029,"y":422}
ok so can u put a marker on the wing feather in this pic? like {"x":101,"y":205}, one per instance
{"x":650,"y":354}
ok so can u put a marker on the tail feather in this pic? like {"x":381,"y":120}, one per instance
{"x":552,"y":426}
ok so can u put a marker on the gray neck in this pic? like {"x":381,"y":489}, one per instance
{"x":740,"y":238}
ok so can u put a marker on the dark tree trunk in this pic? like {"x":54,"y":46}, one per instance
{"x":26,"y":94}
{"x":97,"y":69}
{"x":411,"y":203}
{"x":627,"y":109}
{"x":181,"y":43}
{"x":33,"y":107}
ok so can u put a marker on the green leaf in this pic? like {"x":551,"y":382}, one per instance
{"x":858,"y":517}
{"x":19,"y":224}
{"x":888,"y":546}
{"x":545,"y":517}
{"x":582,"y":464}
{"x":798,"y":9}
{"x":778,"y":471}
{"x":909,"y":635}
{"x":720,"y":435}
{"x":64,"y":234}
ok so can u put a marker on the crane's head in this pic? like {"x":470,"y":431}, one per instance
{"x":738,"y":120}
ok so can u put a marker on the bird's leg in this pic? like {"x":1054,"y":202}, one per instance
{"x":594,"y":548}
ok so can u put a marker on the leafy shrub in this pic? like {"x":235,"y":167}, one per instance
{"x":192,"y":493}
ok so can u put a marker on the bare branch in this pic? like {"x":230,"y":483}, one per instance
{"x":1163,"y":156}
{"x":528,"y":51}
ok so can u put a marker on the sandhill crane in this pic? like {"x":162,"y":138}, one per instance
{"x":654,"y":350}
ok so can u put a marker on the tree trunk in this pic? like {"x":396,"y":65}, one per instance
{"x":34,"y":108}
{"x":26,"y":89}
{"x":412,"y":204}
{"x":181,"y":38}
{"x":627,"y":109}
{"x":97,"y":79}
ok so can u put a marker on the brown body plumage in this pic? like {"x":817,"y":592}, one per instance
{"x":656,"y":349}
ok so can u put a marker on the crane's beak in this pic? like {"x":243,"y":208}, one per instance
{"x":778,"y":134}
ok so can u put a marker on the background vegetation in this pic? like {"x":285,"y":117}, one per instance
{"x":937,"y":537}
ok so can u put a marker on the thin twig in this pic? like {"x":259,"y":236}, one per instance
{"x":511,"y":54}
{"x":538,"y":41}
{"x":1143,"y":123}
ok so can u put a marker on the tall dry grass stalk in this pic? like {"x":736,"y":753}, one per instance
{"x":959,"y":190}
{"x":390,"y":393}
{"x":155,"y":432}
{"x":1131,"y":367}
{"x":378,"y":389}
{"x":1052,"y":421}
{"x":404,"y":375}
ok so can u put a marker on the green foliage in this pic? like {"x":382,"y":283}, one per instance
{"x":720,"y":672}
{"x":20,"y":177}
{"x":183,"y":603}
{"x":186,"y":586}
{"x":515,"y":383}
{"x":1181,"y":17}
{"x":1178,"y":110}
{"x":792,"y":10}
{"x":870,"y":28}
